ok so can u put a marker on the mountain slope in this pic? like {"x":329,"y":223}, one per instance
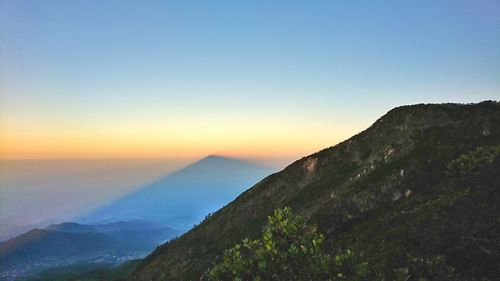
{"x":183,"y":198}
{"x":384,"y":192}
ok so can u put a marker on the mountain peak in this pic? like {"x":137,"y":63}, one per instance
{"x":218,"y":157}
{"x":214,"y":156}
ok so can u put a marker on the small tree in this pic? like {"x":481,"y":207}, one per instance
{"x":287,"y":250}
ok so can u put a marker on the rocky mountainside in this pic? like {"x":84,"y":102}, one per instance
{"x":387,"y":193}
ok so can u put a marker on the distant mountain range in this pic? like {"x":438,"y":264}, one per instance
{"x":185,"y":197}
{"x":67,"y":243}
{"x":133,"y":225}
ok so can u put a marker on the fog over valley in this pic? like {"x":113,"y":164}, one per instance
{"x":40,"y":192}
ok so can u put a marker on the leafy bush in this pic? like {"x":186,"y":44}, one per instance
{"x":287,"y":250}
{"x":474,"y":162}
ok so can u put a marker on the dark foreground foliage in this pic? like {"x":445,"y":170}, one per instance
{"x":289,"y":249}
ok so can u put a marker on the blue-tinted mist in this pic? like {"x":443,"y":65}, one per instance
{"x":183,"y":198}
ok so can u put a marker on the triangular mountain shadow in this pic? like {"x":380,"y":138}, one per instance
{"x":183,"y":198}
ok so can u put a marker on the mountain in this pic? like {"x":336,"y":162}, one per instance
{"x":133,"y":225}
{"x":135,"y":235}
{"x":42,"y":244}
{"x":72,"y":243}
{"x":408,"y":188}
{"x":183,"y":198}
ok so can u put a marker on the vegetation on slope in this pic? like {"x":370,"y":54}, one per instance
{"x":290,"y":250}
{"x":287,"y":250}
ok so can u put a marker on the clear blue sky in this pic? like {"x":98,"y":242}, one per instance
{"x":235,"y":77}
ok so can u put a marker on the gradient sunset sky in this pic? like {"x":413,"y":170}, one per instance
{"x":92,"y":79}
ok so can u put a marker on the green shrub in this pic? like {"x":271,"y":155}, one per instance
{"x":287,"y":250}
{"x":474,"y":162}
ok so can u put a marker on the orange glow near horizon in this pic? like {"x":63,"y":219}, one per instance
{"x":160,"y":79}
{"x":46,"y":147}
{"x":155,"y":141}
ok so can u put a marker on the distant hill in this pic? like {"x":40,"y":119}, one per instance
{"x":133,"y":225}
{"x":415,"y":185}
{"x":184,"y":198}
{"x":42,"y":244}
{"x":72,"y":243}
{"x":136,"y":235}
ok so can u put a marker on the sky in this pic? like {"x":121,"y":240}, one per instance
{"x":133,"y":79}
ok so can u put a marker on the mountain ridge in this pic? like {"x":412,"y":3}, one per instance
{"x":382,"y":175}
